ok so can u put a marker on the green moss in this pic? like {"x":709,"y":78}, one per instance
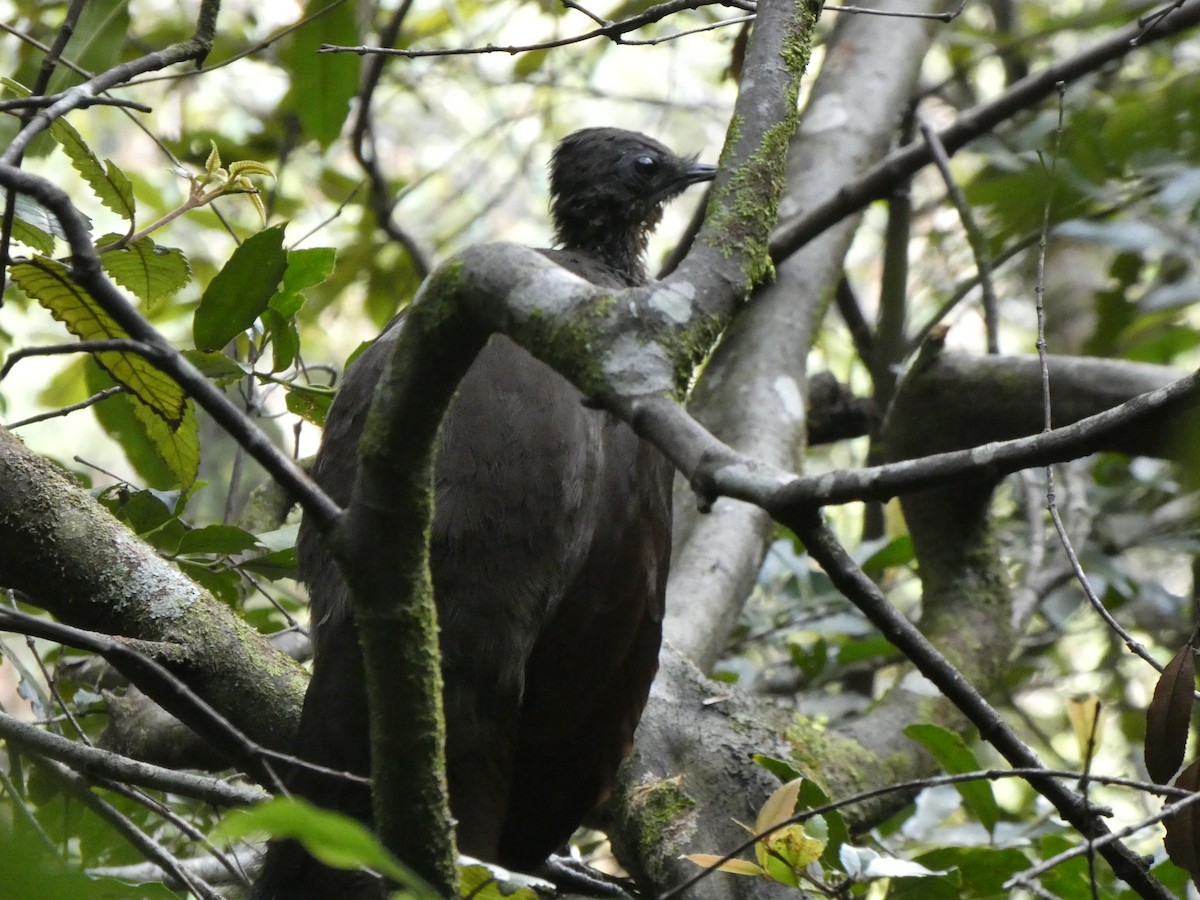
{"x":438,"y":296}
{"x":739,"y":212}
{"x":659,"y":805}
{"x":688,"y":348}
{"x":812,"y":747}
{"x":568,"y":346}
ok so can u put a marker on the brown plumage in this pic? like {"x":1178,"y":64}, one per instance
{"x":550,"y":547}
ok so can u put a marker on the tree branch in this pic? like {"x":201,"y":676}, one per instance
{"x":94,"y":763}
{"x":823,"y":546}
{"x":875,"y":183}
{"x":55,"y":543}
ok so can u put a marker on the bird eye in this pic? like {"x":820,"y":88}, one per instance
{"x":645,"y":165}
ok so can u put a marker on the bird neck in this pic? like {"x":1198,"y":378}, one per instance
{"x":608,"y":236}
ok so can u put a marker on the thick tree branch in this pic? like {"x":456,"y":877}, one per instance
{"x":751,"y":394}
{"x":57,"y":543}
{"x":96,"y":763}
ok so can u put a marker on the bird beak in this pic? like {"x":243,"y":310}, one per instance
{"x":697,"y":172}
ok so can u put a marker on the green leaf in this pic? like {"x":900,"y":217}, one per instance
{"x":241,"y":290}
{"x":528,"y":63}
{"x":479,"y":883}
{"x":33,"y":225}
{"x":309,"y":403}
{"x":812,"y":796}
{"x":285,"y":341}
{"x":177,"y":446}
{"x":148,"y":271}
{"x":96,"y":43}
{"x":956,"y":758}
{"x":780,"y":768}
{"x":896,"y":552}
{"x":222,"y":540}
{"x":47,"y":282}
{"x":216,"y":367}
{"x":976,"y":873}
{"x":308,"y":268}
{"x":29,"y":870}
{"x":336,"y":840}
{"x":323,"y":83}
{"x":273,"y":566}
{"x":222,"y":582}
{"x":111,"y":186}
{"x":147,"y":515}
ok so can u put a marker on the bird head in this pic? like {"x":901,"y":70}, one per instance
{"x":607,"y":189}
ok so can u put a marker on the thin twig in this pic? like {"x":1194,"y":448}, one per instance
{"x":978,"y":243}
{"x":66,"y":410}
{"x":43,"y":101}
{"x":846,"y":575}
{"x":614,"y":31}
{"x":142,"y":669}
{"x":875,"y":183}
{"x":914,"y":785}
{"x":899,"y":14}
{"x":125,"y":827}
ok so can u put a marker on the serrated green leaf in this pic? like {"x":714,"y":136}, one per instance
{"x":48,"y":282}
{"x":111,"y":186}
{"x":178,"y":445}
{"x":115,"y":415}
{"x":37,"y":216}
{"x":213,"y":162}
{"x":246,"y":167}
{"x":31,"y":236}
{"x":241,"y":290}
{"x":323,"y":83}
{"x":148,"y":271}
{"x":956,"y":758}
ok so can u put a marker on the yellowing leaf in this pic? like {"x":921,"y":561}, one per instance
{"x":1084,"y":715}
{"x":795,"y":847}
{"x":178,"y":446}
{"x":780,"y":806}
{"x":249,"y":167}
{"x":732,"y":866}
{"x":48,"y":282}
